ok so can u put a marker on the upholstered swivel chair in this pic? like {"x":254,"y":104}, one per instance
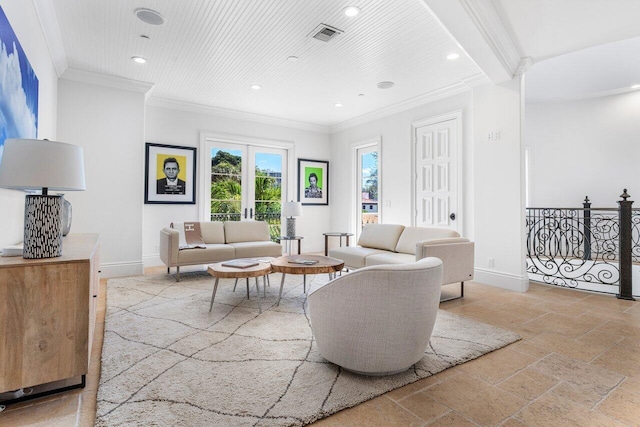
{"x":377,"y":320}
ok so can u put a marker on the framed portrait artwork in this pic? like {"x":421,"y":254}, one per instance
{"x":313,"y":182}
{"x":170,"y":174}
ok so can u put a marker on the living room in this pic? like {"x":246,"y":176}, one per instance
{"x":112,"y":117}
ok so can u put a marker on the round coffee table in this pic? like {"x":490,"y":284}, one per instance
{"x":285,"y":266}
{"x":220,"y":271}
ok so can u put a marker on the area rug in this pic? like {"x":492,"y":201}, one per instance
{"x":166,"y":360}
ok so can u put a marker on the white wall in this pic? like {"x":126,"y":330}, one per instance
{"x":584,"y":148}
{"x":23,"y":19}
{"x":396,"y":164}
{"x":109,"y":124}
{"x":499,"y":186}
{"x":176,"y":127}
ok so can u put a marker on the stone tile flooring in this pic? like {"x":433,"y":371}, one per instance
{"x":578,"y":364}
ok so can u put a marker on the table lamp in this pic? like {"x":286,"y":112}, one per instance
{"x":31,"y":164}
{"x":290,"y":210}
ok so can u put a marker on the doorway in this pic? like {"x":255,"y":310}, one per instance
{"x":244,"y":182}
{"x":436,"y":186}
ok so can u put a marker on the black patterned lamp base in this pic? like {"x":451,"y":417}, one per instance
{"x":42,"y":226}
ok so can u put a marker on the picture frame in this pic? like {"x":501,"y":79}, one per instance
{"x":310,"y":193}
{"x":19,"y":117}
{"x":170,"y":174}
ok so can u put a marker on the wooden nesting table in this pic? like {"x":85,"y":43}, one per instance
{"x":324,"y":265}
{"x":219,"y":271}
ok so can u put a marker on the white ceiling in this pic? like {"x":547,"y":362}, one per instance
{"x":209,"y":52}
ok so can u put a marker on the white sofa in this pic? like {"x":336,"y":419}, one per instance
{"x":222,"y":241}
{"x":381,"y":244}
{"x":377,"y":320}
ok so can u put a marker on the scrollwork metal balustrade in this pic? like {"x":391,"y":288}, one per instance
{"x":578,"y":247}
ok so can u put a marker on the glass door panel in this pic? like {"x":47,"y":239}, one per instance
{"x":368,"y":186}
{"x":226,"y":184}
{"x":268,"y":188}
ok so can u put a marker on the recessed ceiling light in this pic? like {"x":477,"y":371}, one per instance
{"x":139,"y":59}
{"x":149,"y":16}
{"x":453,"y":56}
{"x":636,"y":86}
{"x":292,"y":59}
{"x":385,"y":85}
{"x":337,"y":104}
{"x":351,"y":11}
{"x":256,"y":87}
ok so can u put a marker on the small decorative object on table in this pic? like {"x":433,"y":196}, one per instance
{"x":66,"y":216}
{"x":240,"y":263}
{"x":303,"y":261}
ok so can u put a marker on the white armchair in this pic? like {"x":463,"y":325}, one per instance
{"x":377,"y":320}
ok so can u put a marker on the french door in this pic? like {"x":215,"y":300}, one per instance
{"x":246,"y":182}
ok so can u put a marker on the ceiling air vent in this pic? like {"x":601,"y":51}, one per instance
{"x":324,"y":32}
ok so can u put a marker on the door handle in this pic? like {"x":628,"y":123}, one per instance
{"x":452,"y":216}
{"x":245,"y":213}
{"x":251,"y":213}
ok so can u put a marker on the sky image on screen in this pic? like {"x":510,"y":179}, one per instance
{"x":18,"y":89}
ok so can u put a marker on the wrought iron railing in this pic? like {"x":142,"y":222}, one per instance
{"x":586,"y":248}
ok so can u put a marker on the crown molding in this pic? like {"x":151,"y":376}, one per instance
{"x":234,"y":114}
{"x":582,"y":97}
{"x":463,"y":86}
{"x":49,"y":23}
{"x":525,"y":64}
{"x":486,"y":19}
{"x":115,"y":82}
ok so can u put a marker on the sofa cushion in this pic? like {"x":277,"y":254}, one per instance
{"x":208,"y":255}
{"x":246,"y":231}
{"x":389,"y":258}
{"x":380,"y":236}
{"x":353,"y":256}
{"x":212,"y":231}
{"x":412,"y":235}
{"x":256,"y":249}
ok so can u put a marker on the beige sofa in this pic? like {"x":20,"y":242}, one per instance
{"x":381,"y":244}
{"x":221,"y":241}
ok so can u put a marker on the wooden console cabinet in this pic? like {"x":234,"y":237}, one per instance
{"x":47,"y":314}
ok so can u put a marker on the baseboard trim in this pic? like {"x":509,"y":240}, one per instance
{"x":502,"y":280}
{"x":120,"y":269}
{"x":152,"y":261}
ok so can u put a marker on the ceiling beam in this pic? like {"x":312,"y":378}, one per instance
{"x":478,"y":30}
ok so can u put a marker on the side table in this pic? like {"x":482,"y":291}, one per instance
{"x":220,"y":271}
{"x":288,"y":239}
{"x":334,"y":234}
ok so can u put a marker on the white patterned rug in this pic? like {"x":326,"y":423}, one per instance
{"x":167,"y":361}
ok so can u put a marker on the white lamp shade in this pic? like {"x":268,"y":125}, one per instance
{"x":292,"y":209}
{"x":32,"y":164}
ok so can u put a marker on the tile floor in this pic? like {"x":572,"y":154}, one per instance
{"x":578,"y":364}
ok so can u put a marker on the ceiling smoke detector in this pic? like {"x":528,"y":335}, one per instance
{"x":324,"y":32}
{"x":149,"y":16}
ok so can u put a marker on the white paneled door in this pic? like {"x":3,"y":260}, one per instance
{"x":436,"y":184}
